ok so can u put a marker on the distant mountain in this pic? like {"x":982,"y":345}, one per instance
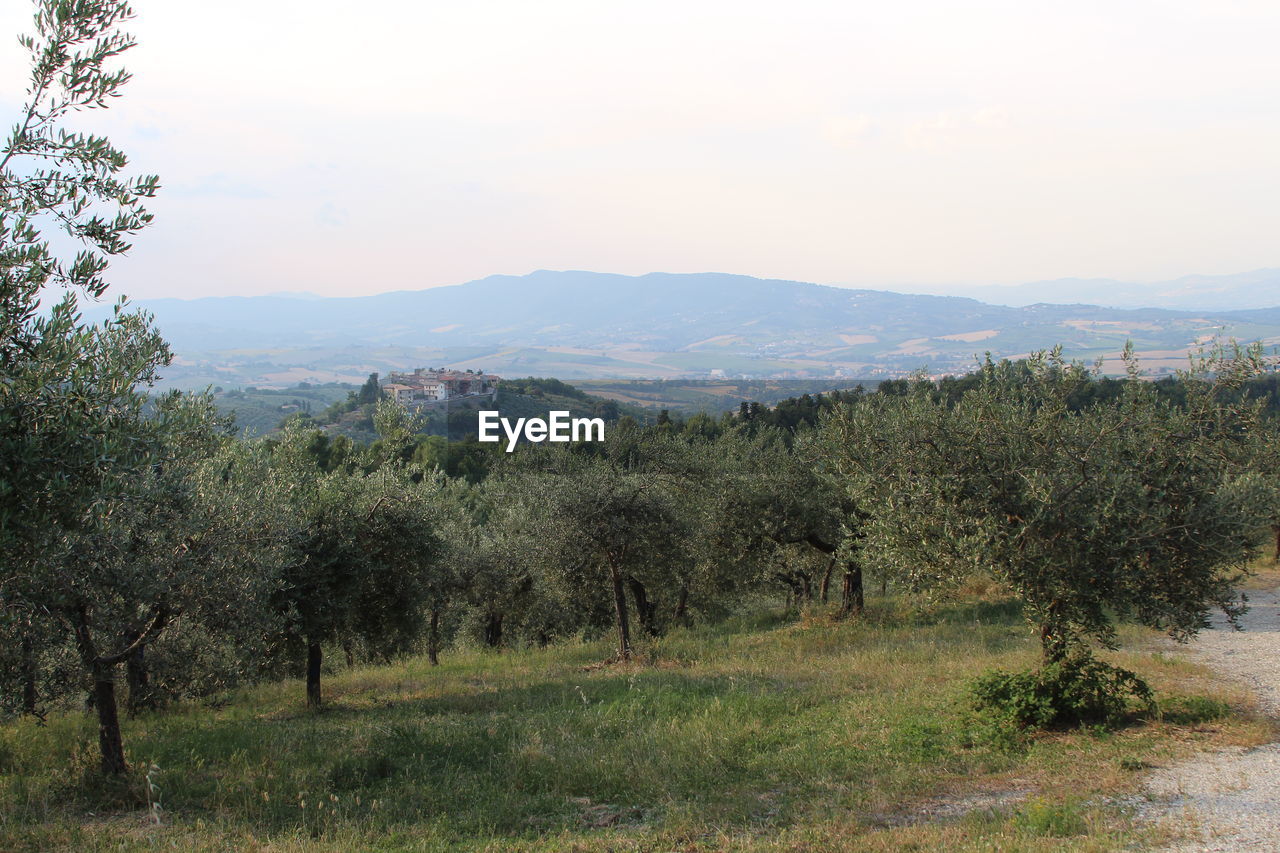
{"x":585,"y":324}
{"x":1242,"y":291}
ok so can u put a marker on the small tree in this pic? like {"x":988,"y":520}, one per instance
{"x":361,"y":550}
{"x":766,"y":499}
{"x":370,"y":391}
{"x":598,"y":520}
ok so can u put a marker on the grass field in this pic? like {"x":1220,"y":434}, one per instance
{"x":764,"y":734}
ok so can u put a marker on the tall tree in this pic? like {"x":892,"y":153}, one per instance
{"x":72,"y":428}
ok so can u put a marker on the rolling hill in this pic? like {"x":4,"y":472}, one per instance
{"x":661,"y":325}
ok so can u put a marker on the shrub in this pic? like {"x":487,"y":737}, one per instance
{"x":1075,"y":690}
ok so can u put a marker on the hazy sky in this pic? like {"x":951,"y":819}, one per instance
{"x":354,"y":148}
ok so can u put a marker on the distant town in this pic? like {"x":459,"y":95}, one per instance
{"x":425,"y":386}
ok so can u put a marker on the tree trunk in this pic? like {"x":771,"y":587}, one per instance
{"x":620,"y":608}
{"x":851,"y":596}
{"x":1276,"y":528}
{"x":1053,"y":634}
{"x":350,"y":652}
{"x":646,"y":610}
{"x":1050,"y":643}
{"x":493,"y":629}
{"x":315,"y":656}
{"x":790,"y":581}
{"x":433,"y":638}
{"x":139,"y":681}
{"x":825,"y":588}
{"x":109,"y":739}
{"x":682,"y":605}
{"x":28,"y":676}
{"x":103,"y":696}
{"x":806,"y":589}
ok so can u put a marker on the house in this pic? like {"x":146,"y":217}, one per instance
{"x":424,"y":386}
{"x":402,"y":394}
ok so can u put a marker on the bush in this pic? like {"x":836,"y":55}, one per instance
{"x":1076,"y":690}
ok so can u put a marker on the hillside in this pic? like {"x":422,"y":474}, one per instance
{"x":579,"y":324}
{"x":259,"y":411}
{"x":713,"y":396}
{"x":764,"y":734}
{"x":706,"y":325}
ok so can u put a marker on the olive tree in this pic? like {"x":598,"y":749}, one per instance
{"x":73,"y":430}
{"x":605,"y":519}
{"x":1132,"y":508}
{"x":361,"y":550}
{"x":145,"y":554}
{"x":772,"y":510}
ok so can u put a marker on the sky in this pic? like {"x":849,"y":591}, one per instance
{"x":354,"y":148}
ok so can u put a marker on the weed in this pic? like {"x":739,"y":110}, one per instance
{"x":1051,"y":820}
{"x":1192,"y":710}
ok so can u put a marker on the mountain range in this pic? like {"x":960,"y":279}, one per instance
{"x":1241,"y":291}
{"x":585,"y":324}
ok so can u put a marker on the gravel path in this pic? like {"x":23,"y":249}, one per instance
{"x":1230,"y":800}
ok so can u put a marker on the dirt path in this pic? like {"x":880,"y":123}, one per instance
{"x":1230,"y":800}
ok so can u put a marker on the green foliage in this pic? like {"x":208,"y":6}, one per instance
{"x":70,"y":417}
{"x":361,"y":545}
{"x":370,"y":391}
{"x":262,"y":411}
{"x":687,"y":398}
{"x":1192,"y":710}
{"x":1048,"y":819}
{"x":46,"y":170}
{"x":539,"y":387}
{"x":1139,"y":508}
{"x":772,"y":516}
{"x":605,"y":521}
{"x":1075,"y":690}
{"x":96,"y":480}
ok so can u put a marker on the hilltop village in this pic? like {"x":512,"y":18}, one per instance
{"x":425,"y":386}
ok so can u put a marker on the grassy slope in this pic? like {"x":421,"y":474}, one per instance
{"x":772,"y":736}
